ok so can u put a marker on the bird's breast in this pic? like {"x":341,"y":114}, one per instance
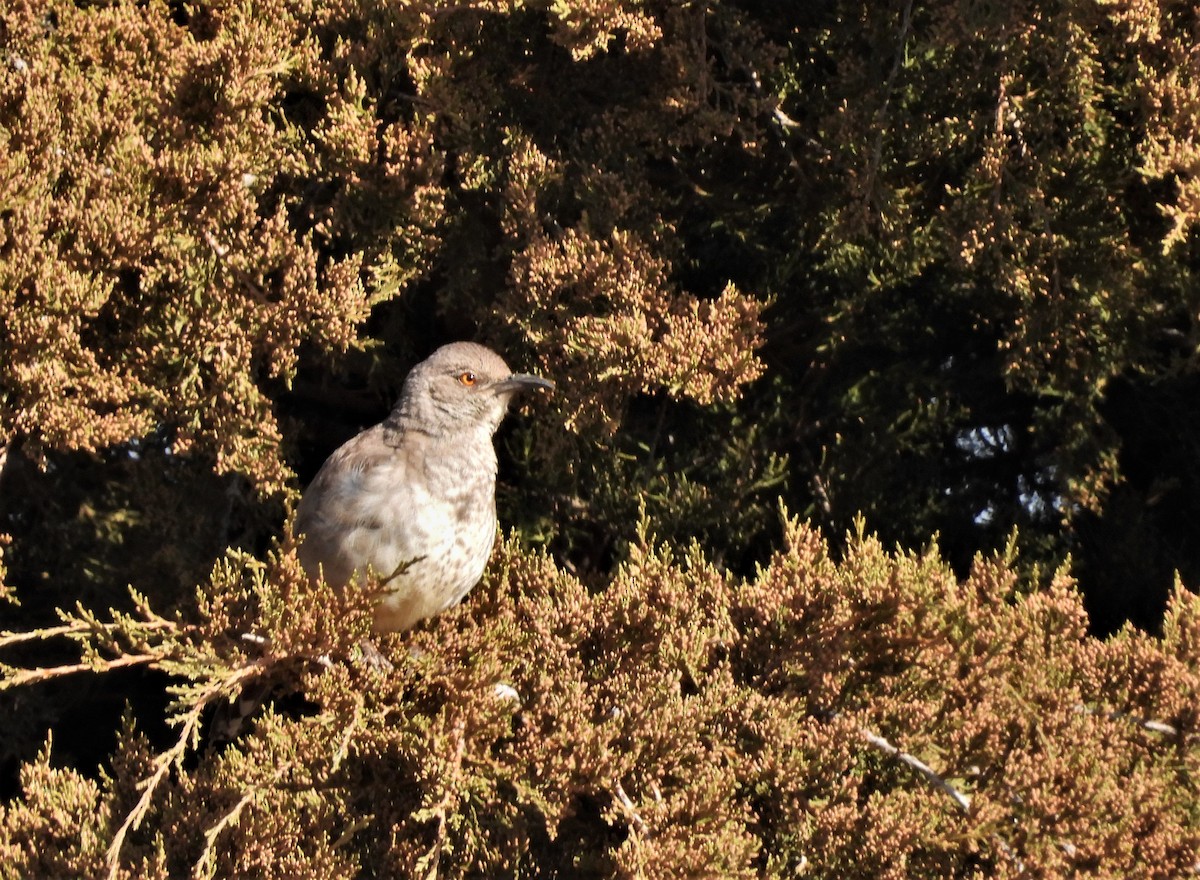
{"x":423,"y":519}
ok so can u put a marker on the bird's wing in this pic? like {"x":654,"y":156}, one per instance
{"x":353,"y":485}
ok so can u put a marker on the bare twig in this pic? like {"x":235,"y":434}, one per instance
{"x":1144,"y":723}
{"x":963,"y":801}
{"x":635,"y":818}
{"x":351,"y":729}
{"x":76,"y":629}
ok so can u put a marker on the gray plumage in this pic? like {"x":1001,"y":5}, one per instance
{"x":414,"y":498}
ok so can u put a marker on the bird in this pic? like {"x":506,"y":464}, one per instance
{"x":413,"y":499}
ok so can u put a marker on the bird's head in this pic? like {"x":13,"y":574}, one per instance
{"x":462,"y":385}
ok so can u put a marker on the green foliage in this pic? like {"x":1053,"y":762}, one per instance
{"x":931,"y":265}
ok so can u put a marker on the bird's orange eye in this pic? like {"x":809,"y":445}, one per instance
{"x":467,"y":378}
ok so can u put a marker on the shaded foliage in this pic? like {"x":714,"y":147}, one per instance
{"x":967,"y":221}
{"x":930,"y":264}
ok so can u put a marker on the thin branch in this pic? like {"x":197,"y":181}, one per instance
{"x":876,"y":159}
{"x":343,"y":749}
{"x":22,"y":677}
{"x":432,"y":859}
{"x":635,"y":818}
{"x":1144,"y":723}
{"x":163,"y":763}
{"x":15,"y":638}
{"x":9,"y":637}
{"x":963,"y":801}
{"x":206,"y":865}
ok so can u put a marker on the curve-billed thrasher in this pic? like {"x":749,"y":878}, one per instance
{"x":414,"y":498}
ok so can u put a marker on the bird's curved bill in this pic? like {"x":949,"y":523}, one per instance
{"x":523,"y":382}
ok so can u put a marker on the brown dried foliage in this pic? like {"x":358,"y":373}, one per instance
{"x":195,"y":197}
{"x":680,"y":722}
{"x":152,"y":273}
{"x":170,"y":243}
